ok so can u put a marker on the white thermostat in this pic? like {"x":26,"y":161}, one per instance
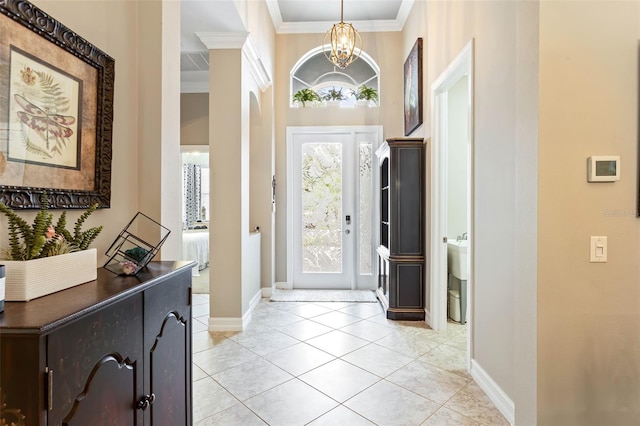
{"x":603,"y":168}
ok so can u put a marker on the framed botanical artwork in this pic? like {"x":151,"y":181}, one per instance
{"x":413,"y":88}
{"x":56,"y":112}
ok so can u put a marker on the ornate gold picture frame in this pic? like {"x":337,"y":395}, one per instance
{"x":56,"y":112}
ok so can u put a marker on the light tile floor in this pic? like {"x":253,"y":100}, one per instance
{"x":332,"y":364}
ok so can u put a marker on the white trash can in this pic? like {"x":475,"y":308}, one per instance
{"x":454,"y":305}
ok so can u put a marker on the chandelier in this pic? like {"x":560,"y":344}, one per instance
{"x":344,"y":42}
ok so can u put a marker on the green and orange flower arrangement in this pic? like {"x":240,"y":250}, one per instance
{"x":43,"y":238}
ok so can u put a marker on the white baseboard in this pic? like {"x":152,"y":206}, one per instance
{"x":268,"y":291}
{"x":284,"y":285}
{"x":235,"y":324}
{"x":246,"y":318}
{"x":427,"y":318}
{"x":255,"y":300}
{"x":225,"y":324}
{"x":495,"y":393}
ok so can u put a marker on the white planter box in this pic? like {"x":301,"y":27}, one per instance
{"x":30,"y":279}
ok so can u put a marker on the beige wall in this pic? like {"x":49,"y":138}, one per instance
{"x":589,"y":313}
{"x":383,"y":48}
{"x":194,"y":119}
{"x":136,"y":126}
{"x":94,"y":21}
{"x":504,"y":199}
{"x":226,"y":183}
{"x":159,"y":125}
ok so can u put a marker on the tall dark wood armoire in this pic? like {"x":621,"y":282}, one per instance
{"x":401,"y":253}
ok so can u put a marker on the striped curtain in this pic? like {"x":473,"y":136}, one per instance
{"x":191,"y":182}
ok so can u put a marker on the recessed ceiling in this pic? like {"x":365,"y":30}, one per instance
{"x":288,"y":16}
{"x":317,"y":16}
{"x":329,"y":10}
{"x":291,"y":16}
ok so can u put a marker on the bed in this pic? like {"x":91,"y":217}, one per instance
{"x":195,"y":246}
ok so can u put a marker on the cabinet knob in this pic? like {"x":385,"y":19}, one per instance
{"x":146,"y":401}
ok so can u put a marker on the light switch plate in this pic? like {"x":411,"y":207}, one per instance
{"x":598,"y":249}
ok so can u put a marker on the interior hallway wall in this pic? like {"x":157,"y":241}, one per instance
{"x":159,"y":119}
{"x":194,"y":119}
{"x":503,"y":285}
{"x":589,"y":313}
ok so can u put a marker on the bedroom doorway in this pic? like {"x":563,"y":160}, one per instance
{"x":332,"y":207}
{"x":195,"y":214}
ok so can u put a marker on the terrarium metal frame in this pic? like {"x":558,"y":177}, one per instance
{"x":123,"y":259}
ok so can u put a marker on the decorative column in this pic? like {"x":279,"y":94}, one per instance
{"x":235,"y":72}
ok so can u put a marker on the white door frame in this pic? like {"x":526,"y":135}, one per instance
{"x":291,"y":130}
{"x":462,"y":65}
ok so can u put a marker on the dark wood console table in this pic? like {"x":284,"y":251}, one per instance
{"x":114,"y":351}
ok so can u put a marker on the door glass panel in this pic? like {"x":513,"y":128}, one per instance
{"x":365,"y":212}
{"x":321,"y":207}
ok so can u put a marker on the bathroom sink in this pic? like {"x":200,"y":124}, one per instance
{"x":457,"y":258}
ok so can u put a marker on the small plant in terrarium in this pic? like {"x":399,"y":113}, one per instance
{"x":303,"y":96}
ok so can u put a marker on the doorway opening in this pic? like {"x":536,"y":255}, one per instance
{"x":195,"y":212}
{"x":332,"y":207}
{"x":452,"y":249}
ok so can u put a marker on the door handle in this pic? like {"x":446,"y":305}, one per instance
{"x":347,"y":219}
{"x":146,"y":401}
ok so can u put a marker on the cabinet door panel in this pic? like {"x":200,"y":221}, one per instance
{"x":167,"y":343}
{"x":408,"y":214}
{"x":21,"y":391}
{"x":168,"y":372}
{"x":77,"y":355}
{"x":108,"y":397}
{"x":410,"y":292}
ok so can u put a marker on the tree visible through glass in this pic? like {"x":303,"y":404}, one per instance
{"x":322,"y":207}
{"x":365,"y":190}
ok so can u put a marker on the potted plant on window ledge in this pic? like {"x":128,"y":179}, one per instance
{"x":333,"y":97}
{"x":302,"y":96}
{"x":366,"y":96}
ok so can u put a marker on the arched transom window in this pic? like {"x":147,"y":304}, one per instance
{"x":313,"y":71}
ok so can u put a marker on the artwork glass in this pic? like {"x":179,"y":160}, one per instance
{"x":413,"y":89}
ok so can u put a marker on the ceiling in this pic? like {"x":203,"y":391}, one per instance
{"x":288,"y":16}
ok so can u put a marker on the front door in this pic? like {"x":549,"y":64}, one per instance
{"x":332,"y":206}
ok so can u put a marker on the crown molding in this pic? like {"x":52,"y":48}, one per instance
{"x":322,"y":27}
{"x":403,"y":12}
{"x":274,"y":11}
{"x":256,"y":67}
{"x":223,"y":40}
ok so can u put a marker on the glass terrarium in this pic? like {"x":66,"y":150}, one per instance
{"x":136,"y":245}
